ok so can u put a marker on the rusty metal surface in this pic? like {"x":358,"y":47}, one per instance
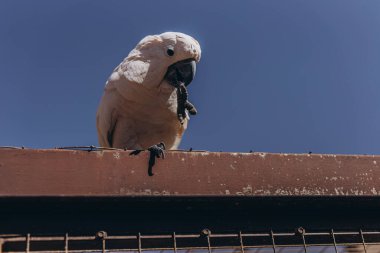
{"x":31,"y":172}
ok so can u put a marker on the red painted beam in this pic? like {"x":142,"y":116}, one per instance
{"x":37,"y":172}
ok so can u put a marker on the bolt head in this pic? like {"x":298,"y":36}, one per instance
{"x":206,"y":232}
{"x":101,"y":234}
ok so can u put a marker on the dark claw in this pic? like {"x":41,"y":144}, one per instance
{"x":190,"y":107}
{"x":183,"y":103}
{"x":156,"y":151}
{"x":135,"y":152}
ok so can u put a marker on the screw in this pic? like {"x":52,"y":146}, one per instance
{"x":300,"y":231}
{"x":205,"y":232}
{"x":101,"y":234}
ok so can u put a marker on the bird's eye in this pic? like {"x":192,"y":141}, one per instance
{"x":170,"y":51}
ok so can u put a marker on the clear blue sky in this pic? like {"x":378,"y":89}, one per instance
{"x":275,"y":76}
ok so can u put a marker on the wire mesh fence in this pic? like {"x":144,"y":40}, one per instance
{"x":204,"y":242}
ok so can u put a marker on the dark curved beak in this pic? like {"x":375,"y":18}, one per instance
{"x":181,"y":72}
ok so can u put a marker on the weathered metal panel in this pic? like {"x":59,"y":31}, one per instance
{"x":50,"y":172}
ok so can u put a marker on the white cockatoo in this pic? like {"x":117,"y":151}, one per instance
{"x":139,"y":105}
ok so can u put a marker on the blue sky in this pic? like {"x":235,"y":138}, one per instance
{"x":275,"y":76}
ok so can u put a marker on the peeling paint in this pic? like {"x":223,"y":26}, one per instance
{"x":247,"y":190}
{"x":146,"y":192}
{"x":262,"y":155}
{"x":339,"y":191}
{"x":245,"y":154}
{"x":99,"y":154}
{"x":116,"y":155}
{"x":220,"y":173}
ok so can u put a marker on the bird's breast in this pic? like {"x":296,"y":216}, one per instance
{"x":154,"y":117}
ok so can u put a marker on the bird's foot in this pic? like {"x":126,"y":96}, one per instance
{"x":135,"y":152}
{"x":156,"y":151}
{"x":183,"y":104}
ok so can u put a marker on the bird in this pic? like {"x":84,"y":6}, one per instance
{"x":144,"y":105}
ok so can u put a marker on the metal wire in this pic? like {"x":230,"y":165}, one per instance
{"x":84,"y":148}
{"x":241,"y":243}
{"x":96,"y":148}
{"x":303,"y":240}
{"x":195,"y":241}
{"x":66,"y":243}
{"x":88,"y":148}
{"x":12,"y":147}
{"x":273,"y":244}
{"x":174,"y":242}
{"x":208,"y":243}
{"x":333,"y":236}
{"x":362,"y":237}
{"x":103,"y":245}
{"x":139,"y":240}
{"x":27,"y":243}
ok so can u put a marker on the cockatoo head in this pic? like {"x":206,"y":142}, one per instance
{"x":168,"y":58}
